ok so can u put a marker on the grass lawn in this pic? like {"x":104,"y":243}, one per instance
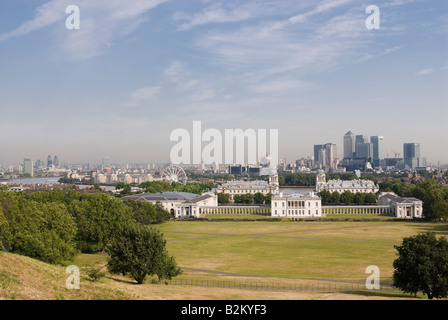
{"x":291,"y":250}
{"x":311,"y":254}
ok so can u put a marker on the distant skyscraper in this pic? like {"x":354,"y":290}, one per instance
{"x":377,"y":149}
{"x":349,"y":145}
{"x":411,"y":154}
{"x":331,"y":155}
{"x":49,"y":162}
{"x":320,"y":156}
{"x":56,"y":161}
{"x":28,"y":166}
{"x":361,"y":140}
{"x":106,"y":162}
{"x":364,"y":150}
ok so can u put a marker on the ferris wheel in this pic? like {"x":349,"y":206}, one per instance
{"x":174,"y":174}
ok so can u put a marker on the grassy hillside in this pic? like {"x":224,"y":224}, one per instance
{"x":23,"y":278}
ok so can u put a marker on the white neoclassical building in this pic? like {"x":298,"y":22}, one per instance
{"x":401,"y":207}
{"x":236,"y":187}
{"x":179,"y":204}
{"x":354,"y":186}
{"x":296,"y":205}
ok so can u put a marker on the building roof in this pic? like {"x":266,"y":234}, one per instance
{"x":300,"y":196}
{"x":235,"y":184}
{"x":393,"y":197}
{"x":350,"y":183}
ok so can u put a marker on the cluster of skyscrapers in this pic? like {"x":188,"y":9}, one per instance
{"x":362,"y":153}
{"x":29,"y":166}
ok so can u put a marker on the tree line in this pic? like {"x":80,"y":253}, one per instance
{"x":247,"y":199}
{"x":346,"y":197}
{"x":54,"y":226}
{"x":164,"y":186}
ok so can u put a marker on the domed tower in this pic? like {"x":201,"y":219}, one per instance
{"x":273,"y":182}
{"x":320,"y":180}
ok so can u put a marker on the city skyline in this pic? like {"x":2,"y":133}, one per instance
{"x":137,"y":70}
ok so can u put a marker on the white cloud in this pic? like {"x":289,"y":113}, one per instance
{"x":215,"y":13}
{"x":184,"y":84}
{"x":425,"y":72}
{"x":102,"y":23}
{"x":142,"y":95}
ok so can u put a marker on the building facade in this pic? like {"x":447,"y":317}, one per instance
{"x":403,"y":208}
{"x":296,"y":205}
{"x":179,"y":204}
{"x":354,"y":186}
{"x":236,"y":187}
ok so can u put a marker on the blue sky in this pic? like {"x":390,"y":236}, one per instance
{"x":138,"y":69}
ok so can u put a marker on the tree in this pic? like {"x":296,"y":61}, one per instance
{"x":335,"y":197}
{"x":97,"y":217}
{"x":359,"y":198}
{"x":127,"y":189}
{"x":44,"y":231}
{"x":162,"y":214}
{"x":223,"y":198}
{"x":268,"y":199}
{"x":120,"y":185}
{"x":325,"y":195}
{"x":422,"y":265}
{"x":238,"y":198}
{"x":144,"y":212}
{"x":139,"y":251}
{"x":347,"y":197}
{"x":259,"y":198}
{"x":247,"y":198}
{"x":166,"y":268}
{"x":370,"y":198}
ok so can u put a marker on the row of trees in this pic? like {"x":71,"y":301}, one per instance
{"x":346,"y":197}
{"x":248,"y":198}
{"x":163,"y":186}
{"x":54,"y":226}
{"x":309,"y":179}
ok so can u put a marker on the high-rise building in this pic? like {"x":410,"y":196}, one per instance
{"x":28,"y":167}
{"x":349,"y":145}
{"x":331,"y":151}
{"x":320,"y":156}
{"x":56,"y":161}
{"x":364,"y":151}
{"x":377,"y":149}
{"x":49,"y":162}
{"x":411,"y":154}
{"x":325,"y":155}
{"x":361,"y":140}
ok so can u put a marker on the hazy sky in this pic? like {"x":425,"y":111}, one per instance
{"x":138,"y":69}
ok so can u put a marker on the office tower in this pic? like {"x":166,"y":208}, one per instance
{"x":56,"y":161}
{"x":349,"y":145}
{"x":28,"y":166}
{"x":411,"y":154}
{"x":364,"y":150}
{"x":320,"y":155}
{"x":49,"y":162}
{"x":360,"y":140}
{"x":377,"y":149}
{"x":331,"y":155}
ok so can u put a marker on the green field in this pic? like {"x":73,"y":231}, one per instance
{"x":227,"y":259}
{"x":291,"y":250}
